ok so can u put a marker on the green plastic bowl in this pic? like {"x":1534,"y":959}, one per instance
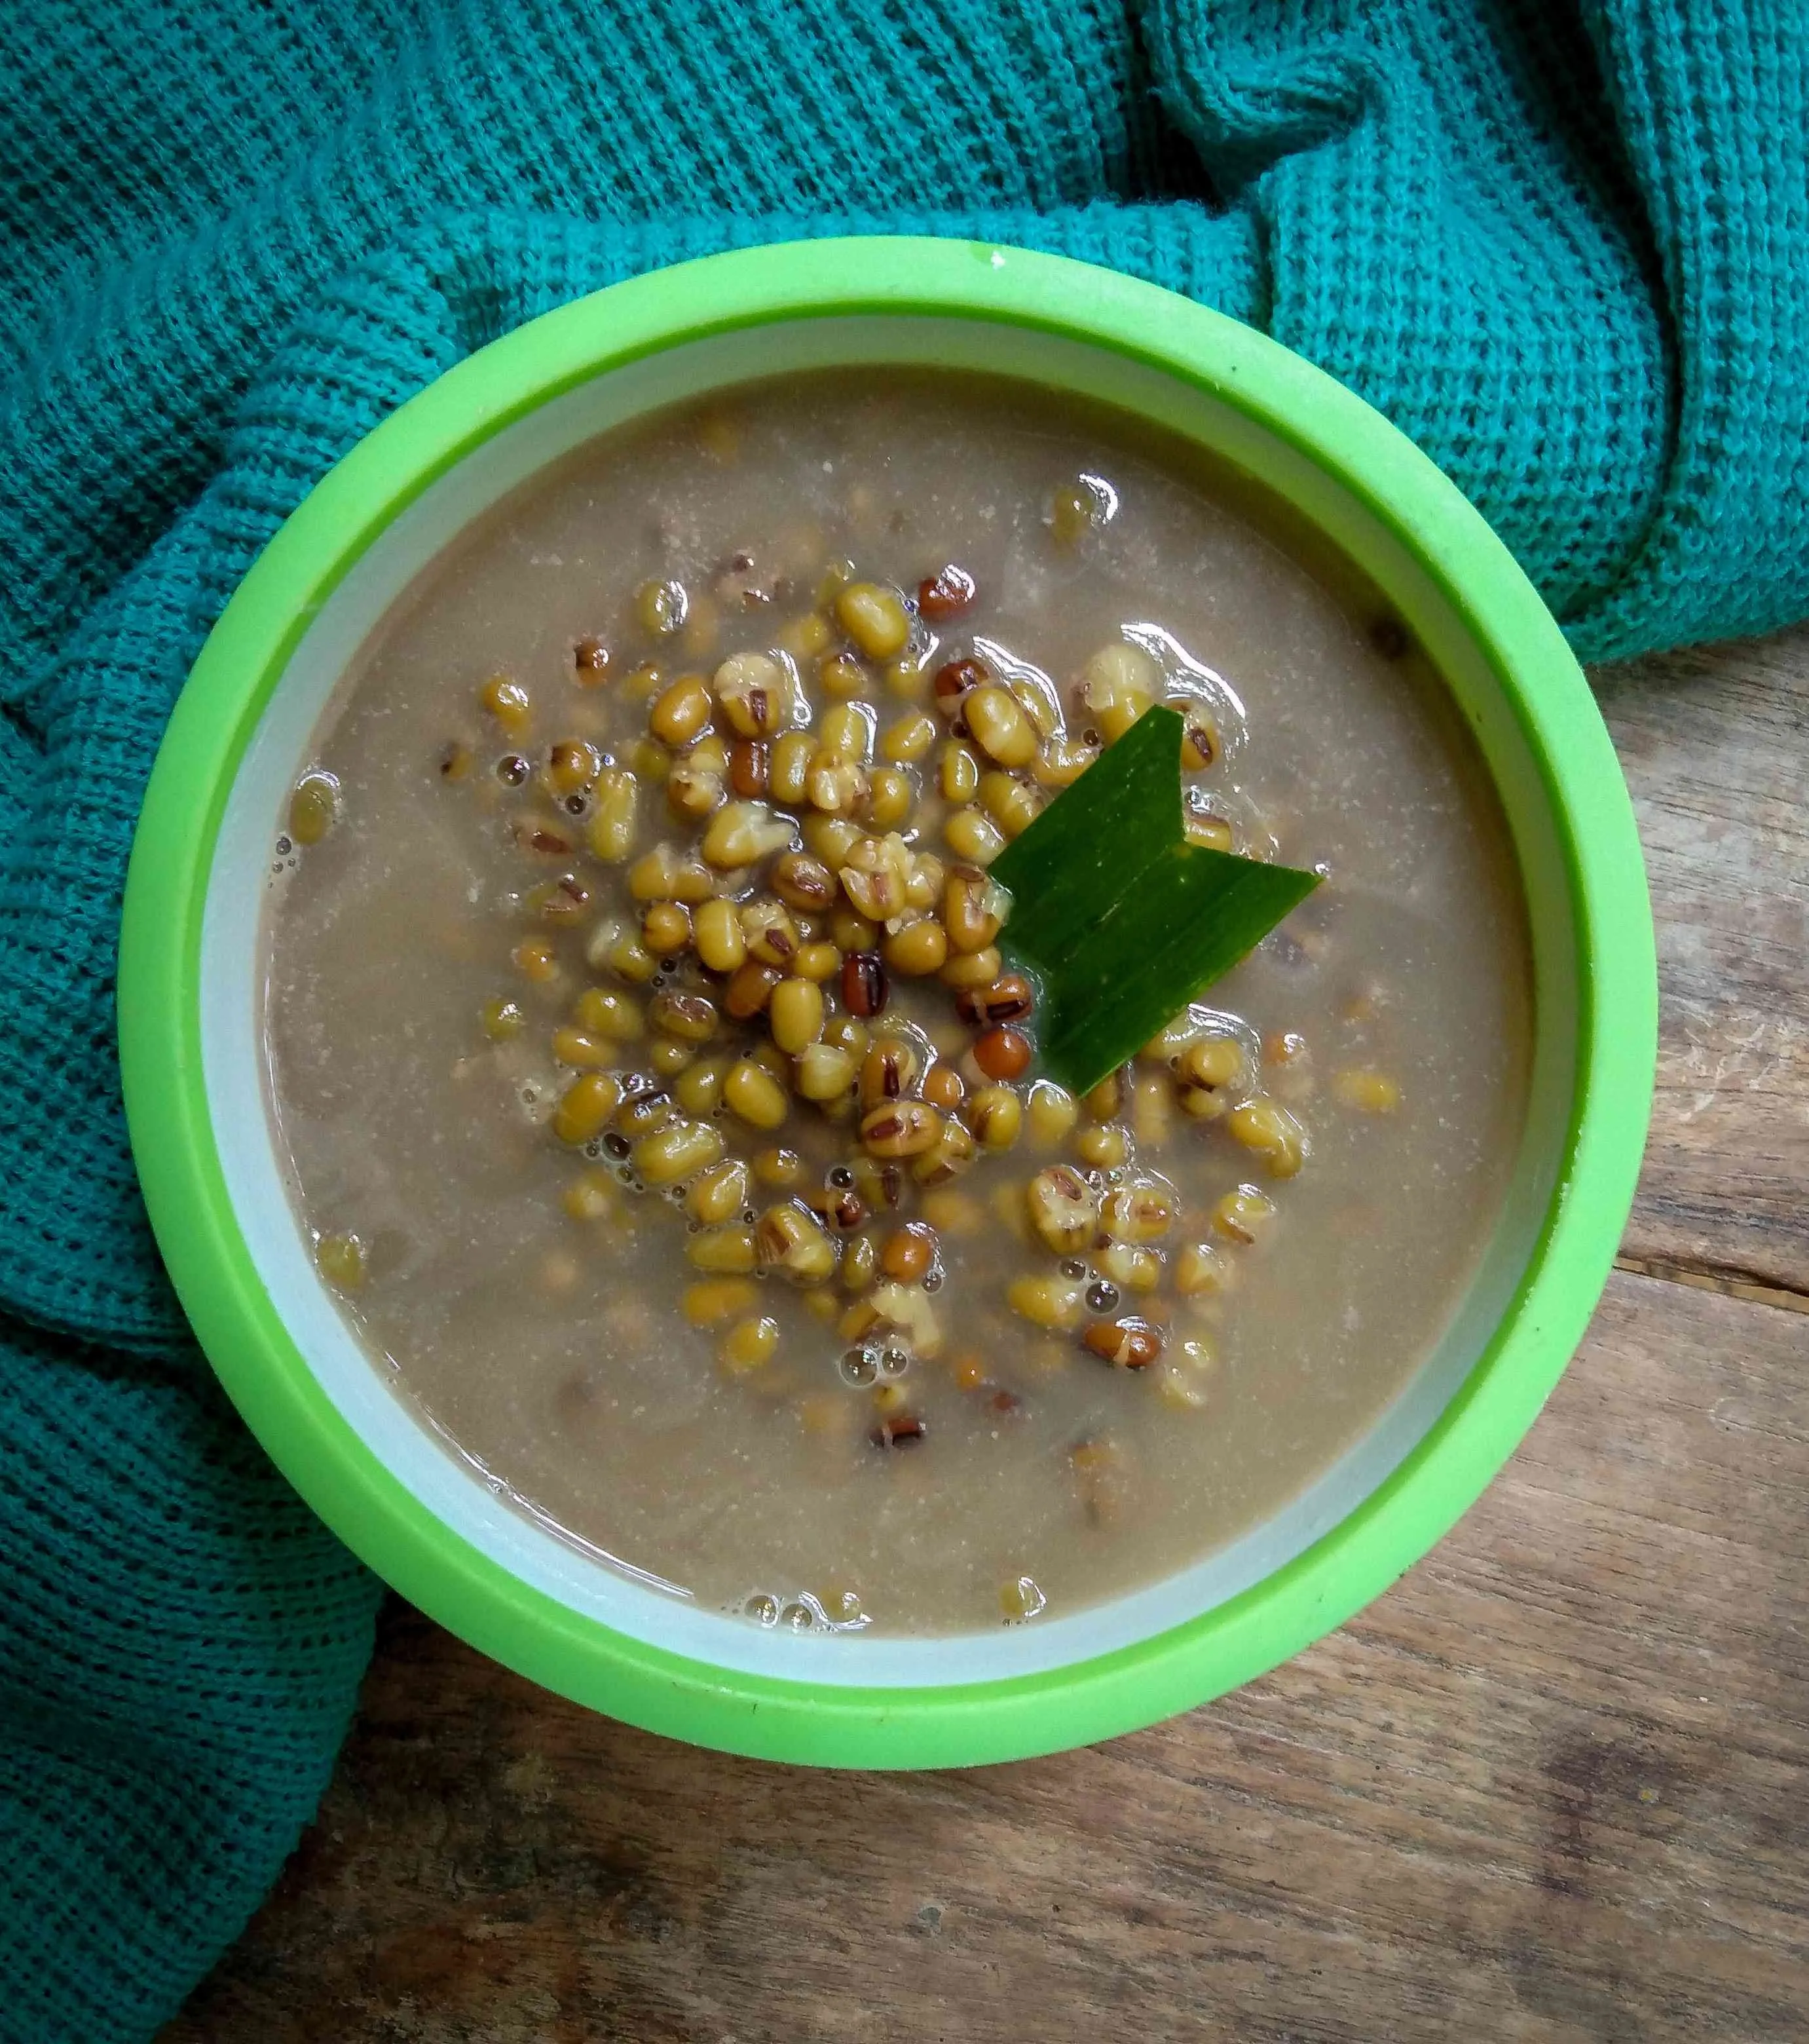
{"x":427,"y":1520}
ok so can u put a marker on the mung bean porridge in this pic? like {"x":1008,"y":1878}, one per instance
{"x":656,"y":1089}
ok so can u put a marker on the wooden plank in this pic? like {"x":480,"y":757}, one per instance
{"x":1715,"y":744}
{"x":1551,"y":1787}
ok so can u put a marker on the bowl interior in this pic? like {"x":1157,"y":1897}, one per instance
{"x":470,"y":1503}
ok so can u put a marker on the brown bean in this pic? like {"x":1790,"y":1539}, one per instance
{"x":864,"y":984}
{"x":954,"y":681}
{"x":749,"y":988}
{"x":591,"y":657}
{"x":945,"y":594}
{"x":1008,"y":999}
{"x":749,"y":761}
{"x":1126,"y":1344}
{"x":1002,"y":1053}
{"x":942,"y":1087}
{"x":908,"y":1253}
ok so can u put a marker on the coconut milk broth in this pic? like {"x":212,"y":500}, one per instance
{"x":553,"y":1353}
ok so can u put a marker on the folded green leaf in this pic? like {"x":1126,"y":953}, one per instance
{"x":1121,"y":919}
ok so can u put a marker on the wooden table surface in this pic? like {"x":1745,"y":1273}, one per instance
{"x":1550,"y":1786}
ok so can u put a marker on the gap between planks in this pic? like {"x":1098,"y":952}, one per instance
{"x":1731,"y":1283}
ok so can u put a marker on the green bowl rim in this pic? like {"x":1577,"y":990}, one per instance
{"x":341,"y":1478}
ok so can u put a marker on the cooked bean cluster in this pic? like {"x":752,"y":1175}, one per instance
{"x":755,"y":892}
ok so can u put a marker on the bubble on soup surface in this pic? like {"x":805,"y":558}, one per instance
{"x":859,"y":1367}
{"x":762,"y":1609}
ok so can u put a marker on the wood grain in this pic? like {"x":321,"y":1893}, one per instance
{"x":1716,"y":743}
{"x":1554,"y":1785}
{"x":1551,"y":1786}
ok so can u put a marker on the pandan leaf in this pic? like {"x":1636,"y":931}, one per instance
{"x":1121,"y":919}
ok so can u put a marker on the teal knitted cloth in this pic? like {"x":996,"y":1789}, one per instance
{"x":1561,"y":242}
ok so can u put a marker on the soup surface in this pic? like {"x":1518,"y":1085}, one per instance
{"x":660,"y":1103}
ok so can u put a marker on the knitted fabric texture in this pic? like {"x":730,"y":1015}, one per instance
{"x":1559,"y":241}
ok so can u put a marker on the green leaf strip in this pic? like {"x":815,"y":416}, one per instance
{"x":1120,"y":919}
